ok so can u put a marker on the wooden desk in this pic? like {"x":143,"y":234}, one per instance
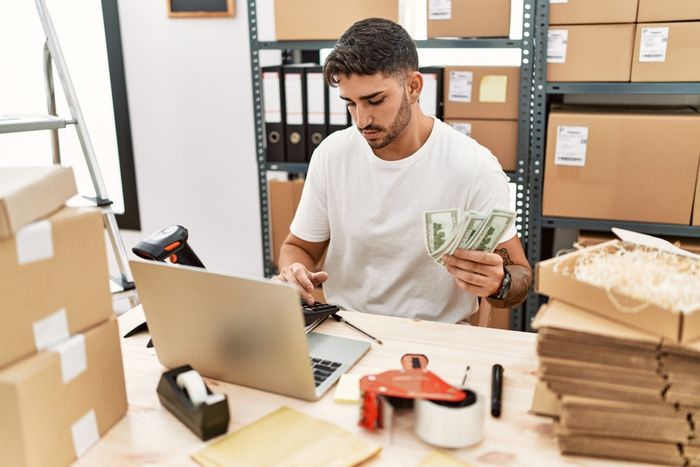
{"x":149,"y":434}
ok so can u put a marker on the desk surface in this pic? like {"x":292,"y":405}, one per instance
{"x":149,"y":434}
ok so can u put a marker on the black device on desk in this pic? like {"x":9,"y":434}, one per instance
{"x":168,"y":243}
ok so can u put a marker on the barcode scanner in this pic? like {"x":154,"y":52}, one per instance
{"x":169,"y":243}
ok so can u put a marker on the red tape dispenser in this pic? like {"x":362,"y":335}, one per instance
{"x":414,"y":381}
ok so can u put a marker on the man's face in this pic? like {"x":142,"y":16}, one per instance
{"x":379,"y":106}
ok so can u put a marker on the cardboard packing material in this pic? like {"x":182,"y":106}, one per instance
{"x":57,"y":403}
{"x":696,"y":210}
{"x":323,"y":20}
{"x":593,"y":12}
{"x":668,"y":10}
{"x":284,"y":199}
{"x":590,"y":52}
{"x":469,"y":18}
{"x":553,"y":279}
{"x":586,"y":239}
{"x":481,"y":92}
{"x":669,"y":52}
{"x":499,"y":136}
{"x":55,"y":281}
{"x":600,"y":164}
{"x":30,"y":193}
{"x":617,"y":448}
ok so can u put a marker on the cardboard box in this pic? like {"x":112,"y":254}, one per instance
{"x":481,"y":92}
{"x":284,"y":199}
{"x":469,"y":18}
{"x":324,"y":20}
{"x":590,"y":52}
{"x":499,"y":136}
{"x":696,"y":206}
{"x":671,"y":52}
{"x":593,"y":12}
{"x":554,"y":280}
{"x":600,"y":163}
{"x":490,"y":317}
{"x":55,"y":282}
{"x":30,"y":193}
{"x":57,"y":403}
{"x":668,"y":10}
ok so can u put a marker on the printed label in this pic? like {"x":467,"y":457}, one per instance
{"x":653,"y":45}
{"x":463,"y":127}
{"x":460,"y":86}
{"x":440,"y":9}
{"x":556,"y":45}
{"x":571,"y":146}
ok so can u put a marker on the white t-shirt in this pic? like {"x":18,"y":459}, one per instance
{"x":372,"y":212}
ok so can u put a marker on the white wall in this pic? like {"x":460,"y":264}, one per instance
{"x":189,"y":91}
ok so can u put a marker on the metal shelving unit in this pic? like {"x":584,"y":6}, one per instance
{"x":542,"y":92}
{"x":519,"y":177}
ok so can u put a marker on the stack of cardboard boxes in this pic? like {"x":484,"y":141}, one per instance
{"x":620,"y":379}
{"x":61,"y":374}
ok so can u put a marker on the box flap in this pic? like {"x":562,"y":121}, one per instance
{"x":651,"y":242}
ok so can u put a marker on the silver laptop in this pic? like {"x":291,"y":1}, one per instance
{"x":243,"y":330}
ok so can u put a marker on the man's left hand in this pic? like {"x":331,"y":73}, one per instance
{"x":477,"y":272}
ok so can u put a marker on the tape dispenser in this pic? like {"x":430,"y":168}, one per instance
{"x":183,"y":392}
{"x":446,"y":416}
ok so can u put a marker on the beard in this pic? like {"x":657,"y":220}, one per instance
{"x":403,"y":117}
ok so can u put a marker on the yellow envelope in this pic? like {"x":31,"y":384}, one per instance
{"x":286,"y":437}
{"x":440,"y":459}
{"x":493,"y":88}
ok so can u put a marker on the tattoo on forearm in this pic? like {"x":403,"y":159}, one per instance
{"x":503,"y":252}
{"x":521,"y":279}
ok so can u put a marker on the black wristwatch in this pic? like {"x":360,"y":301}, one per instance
{"x":503,"y":290}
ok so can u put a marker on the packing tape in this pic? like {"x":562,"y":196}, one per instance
{"x":51,"y":330}
{"x":193,"y":384}
{"x":450,"y":424}
{"x":73,"y":357}
{"x":34,"y":242}
{"x":84,"y":433}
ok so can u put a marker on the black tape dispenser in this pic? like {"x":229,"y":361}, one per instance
{"x":183,"y":392}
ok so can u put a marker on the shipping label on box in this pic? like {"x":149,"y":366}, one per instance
{"x":571,"y":146}
{"x":653,"y":45}
{"x":63,"y":399}
{"x":439,"y":9}
{"x":556,"y":45}
{"x":460,"y":89}
{"x":667,"y":52}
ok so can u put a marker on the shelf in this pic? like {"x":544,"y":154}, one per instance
{"x":295,"y":167}
{"x":17,"y":123}
{"x":623,"y":88}
{"x":421,"y":44}
{"x":606,"y":226}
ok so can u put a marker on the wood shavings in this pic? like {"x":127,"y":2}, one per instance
{"x":646,"y":274}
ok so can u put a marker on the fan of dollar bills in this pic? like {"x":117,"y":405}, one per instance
{"x":447,"y":230}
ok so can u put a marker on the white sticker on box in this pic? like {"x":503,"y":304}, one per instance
{"x":557,"y":40}
{"x":51,"y":330}
{"x":34,"y":242}
{"x":73,"y":357}
{"x":428,"y":97}
{"x":653,"y":45}
{"x":84,"y":433}
{"x":463,"y":127}
{"x":558,"y":1}
{"x":571,"y":146}
{"x":440,"y":9}
{"x":460,"y":86}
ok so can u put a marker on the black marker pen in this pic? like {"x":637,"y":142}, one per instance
{"x":496,"y":389}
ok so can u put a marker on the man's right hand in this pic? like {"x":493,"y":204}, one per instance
{"x":303,"y":279}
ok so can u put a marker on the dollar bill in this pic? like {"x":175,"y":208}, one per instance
{"x":491,"y":230}
{"x":439,"y":227}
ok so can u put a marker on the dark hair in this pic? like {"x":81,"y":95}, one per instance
{"x":370,"y":46}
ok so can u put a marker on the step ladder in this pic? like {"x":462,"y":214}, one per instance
{"x":17,"y":123}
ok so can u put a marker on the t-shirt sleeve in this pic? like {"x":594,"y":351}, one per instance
{"x":491,"y":189}
{"x":310,"y":222}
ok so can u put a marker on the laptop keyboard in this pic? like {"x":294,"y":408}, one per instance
{"x":322,"y":369}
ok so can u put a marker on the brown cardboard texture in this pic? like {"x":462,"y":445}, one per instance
{"x":678,"y":60}
{"x":695,"y":246}
{"x":594,"y":53}
{"x":624,"y":153}
{"x":284,"y":199}
{"x":545,"y":402}
{"x":593,"y":12}
{"x":319,"y":20}
{"x":472,"y":18}
{"x":30,"y":193}
{"x":498,"y":136}
{"x":40,"y":411}
{"x":618,"y":448}
{"x":59,"y":293}
{"x":668,"y":10}
{"x":553,"y":279}
{"x":481,"y":92}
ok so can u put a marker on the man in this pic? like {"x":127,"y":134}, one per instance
{"x":367,"y":187}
